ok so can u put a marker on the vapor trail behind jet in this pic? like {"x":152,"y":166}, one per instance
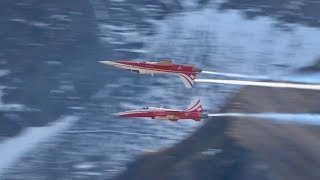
{"x":263,"y":84}
{"x":302,"y":118}
{"x":236,"y":75}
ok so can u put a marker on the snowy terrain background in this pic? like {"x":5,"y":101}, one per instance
{"x":53,"y":90}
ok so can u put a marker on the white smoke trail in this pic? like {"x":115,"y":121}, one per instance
{"x":303,"y":118}
{"x":264,"y":84}
{"x":313,"y":78}
{"x":236,"y":75}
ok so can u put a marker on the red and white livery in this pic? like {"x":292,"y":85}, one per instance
{"x":194,"y":111}
{"x":187,"y":73}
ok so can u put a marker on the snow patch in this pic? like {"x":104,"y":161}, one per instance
{"x":39,"y":24}
{"x":211,"y":152}
{"x":61,"y":17}
{"x":10,"y":107}
{"x":117,"y":0}
{"x":54,"y":63}
{"x":4,"y":72}
{"x":66,"y":87}
{"x":18,"y":20}
{"x":14,"y":148}
{"x":85,"y":165}
{"x":76,"y":107}
{"x":131,"y":50}
{"x":89,"y":173}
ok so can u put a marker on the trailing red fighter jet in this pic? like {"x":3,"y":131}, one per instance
{"x":194,"y":111}
{"x":187,"y":73}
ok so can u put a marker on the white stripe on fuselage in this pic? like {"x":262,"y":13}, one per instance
{"x":152,"y":109}
{"x":151,"y":70}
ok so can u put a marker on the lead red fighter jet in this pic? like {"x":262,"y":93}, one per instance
{"x":194,"y":111}
{"x":187,"y":73}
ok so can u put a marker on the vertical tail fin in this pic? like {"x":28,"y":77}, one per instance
{"x":195,"y":106}
{"x":188,"y":79}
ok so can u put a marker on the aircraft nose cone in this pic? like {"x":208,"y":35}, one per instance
{"x":116,"y":114}
{"x":108,"y":63}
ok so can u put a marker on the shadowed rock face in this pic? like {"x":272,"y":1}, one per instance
{"x":242,"y":148}
{"x":193,"y":157}
{"x":289,"y":11}
{"x":285,"y":151}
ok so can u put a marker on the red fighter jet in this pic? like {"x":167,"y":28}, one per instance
{"x":194,"y":111}
{"x":187,"y":73}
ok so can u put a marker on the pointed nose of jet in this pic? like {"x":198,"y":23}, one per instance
{"x":111,"y":63}
{"x":117,"y":114}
